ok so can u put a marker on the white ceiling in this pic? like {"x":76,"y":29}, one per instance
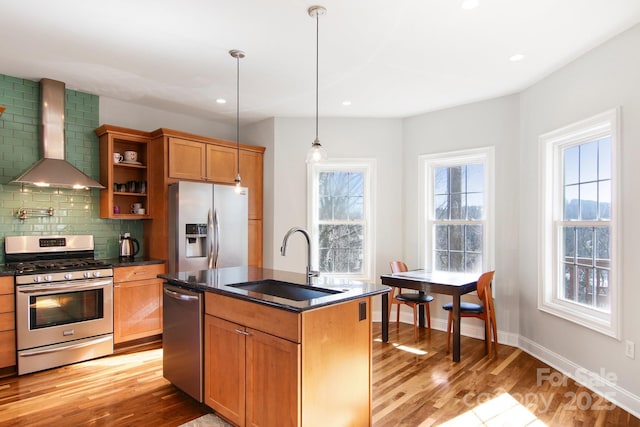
{"x":390,"y":58}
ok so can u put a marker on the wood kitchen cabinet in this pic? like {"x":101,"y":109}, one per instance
{"x":137,"y":302}
{"x":168,"y":156}
{"x":116,"y":177}
{"x":266,"y":366}
{"x":198,"y":158}
{"x":199,"y":161}
{"x":7,"y":323}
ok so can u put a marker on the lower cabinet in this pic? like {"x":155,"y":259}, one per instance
{"x":7,"y":323}
{"x":250,"y":372}
{"x":266,"y":366}
{"x":137,"y":302}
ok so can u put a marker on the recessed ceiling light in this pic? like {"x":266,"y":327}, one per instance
{"x":346,"y":103}
{"x":221,"y":101}
{"x":469,"y":4}
{"x":517,"y":57}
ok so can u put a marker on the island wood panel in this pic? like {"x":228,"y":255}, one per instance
{"x":335,"y":339}
{"x":224,"y":368}
{"x":281,"y":323}
{"x":273,"y":381}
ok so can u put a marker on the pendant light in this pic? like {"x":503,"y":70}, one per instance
{"x":316,"y":153}
{"x":238,"y":55}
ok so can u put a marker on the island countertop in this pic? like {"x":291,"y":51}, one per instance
{"x":221,"y":281}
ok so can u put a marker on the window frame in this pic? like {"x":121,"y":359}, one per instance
{"x":426,"y":165}
{"x":551,"y":145}
{"x":368,"y":167}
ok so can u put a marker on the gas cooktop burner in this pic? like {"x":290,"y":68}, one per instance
{"x":57,"y":265}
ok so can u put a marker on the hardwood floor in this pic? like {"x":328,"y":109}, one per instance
{"x":414,"y":384}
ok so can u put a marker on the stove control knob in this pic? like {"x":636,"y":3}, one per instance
{"x":37,"y":279}
{"x":87,"y":275}
{"x":96,"y":273}
{"x":47,"y":277}
{"x":68,"y":276}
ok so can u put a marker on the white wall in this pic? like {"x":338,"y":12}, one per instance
{"x":120,"y":113}
{"x":380,"y":139}
{"x":492,"y":123}
{"x":606,"y":77}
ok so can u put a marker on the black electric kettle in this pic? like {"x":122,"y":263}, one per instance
{"x":129,"y":247}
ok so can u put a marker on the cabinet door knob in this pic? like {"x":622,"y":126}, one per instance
{"x":242,"y":332}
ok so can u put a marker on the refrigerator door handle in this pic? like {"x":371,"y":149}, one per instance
{"x":210,"y":238}
{"x":216,"y":224}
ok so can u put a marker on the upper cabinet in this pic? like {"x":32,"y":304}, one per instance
{"x":124,"y":171}
{"x":198,"y":158}
{"x":187,"y":159}
{"x":201,"y":161}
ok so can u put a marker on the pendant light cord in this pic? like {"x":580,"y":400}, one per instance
{"x":238,"y":115}
{"x":317,"y":66}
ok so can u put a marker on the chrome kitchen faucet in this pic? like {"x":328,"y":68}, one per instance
{"x":283,"y":250}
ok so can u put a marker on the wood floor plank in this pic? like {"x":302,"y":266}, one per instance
{"x":415,"y":383}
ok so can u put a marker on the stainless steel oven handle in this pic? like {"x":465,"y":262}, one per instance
{"x":63,"y":286}
{"x":67,"y":347}
{"x":179,"y":296}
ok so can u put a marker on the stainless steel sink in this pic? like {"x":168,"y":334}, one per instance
{"x":286,"y":290}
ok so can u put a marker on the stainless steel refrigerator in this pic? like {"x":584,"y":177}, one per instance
{"x":208,"y":226}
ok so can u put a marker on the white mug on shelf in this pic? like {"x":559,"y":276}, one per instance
{"x":131,"y":156}
{"x":135,"y":207}
{"x":141,"y":211}
{"x":117,"y":158}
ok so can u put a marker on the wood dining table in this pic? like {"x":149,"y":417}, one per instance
{"x":439,"y":282}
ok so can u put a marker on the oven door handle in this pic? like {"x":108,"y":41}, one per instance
{"x":78,"y":285}
{"x":67,"y":347}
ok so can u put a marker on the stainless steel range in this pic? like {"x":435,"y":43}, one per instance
{"x":64,"y":300}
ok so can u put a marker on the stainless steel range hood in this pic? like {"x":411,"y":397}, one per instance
{"x":53,"y":170}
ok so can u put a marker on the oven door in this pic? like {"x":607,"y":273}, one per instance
{"x":51,"y":313}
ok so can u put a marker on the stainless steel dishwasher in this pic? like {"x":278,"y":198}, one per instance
{"x":182,"y":339}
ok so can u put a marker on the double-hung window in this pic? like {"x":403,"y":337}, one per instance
{"x":579,"y":211}
{"x":457,"y":209}
{"x":341,"y":221}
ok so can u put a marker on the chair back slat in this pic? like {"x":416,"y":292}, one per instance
{"x":398,"y":267}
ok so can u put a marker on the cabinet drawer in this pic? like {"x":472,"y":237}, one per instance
{"x":139,"y":272}
{"x":281,"y":323}
{"x":6,"y":303}
{"x":7,"y":348}
{"x":7,"y":321}
{"x":6,"y":285}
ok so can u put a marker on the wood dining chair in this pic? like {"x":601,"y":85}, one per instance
{"x":413,"y":300}
{"x":484,"y":311}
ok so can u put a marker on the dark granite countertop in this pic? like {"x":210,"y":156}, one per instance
{"x":220,"y":281}
{"x":120,"y":262}
{"x":116,"y":262}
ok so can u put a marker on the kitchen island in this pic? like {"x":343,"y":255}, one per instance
{"x":281,"y":360}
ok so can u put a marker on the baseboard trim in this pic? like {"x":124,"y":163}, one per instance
{"x":594,"y":381}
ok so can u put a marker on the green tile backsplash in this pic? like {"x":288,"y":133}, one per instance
{"x":75,"y":211}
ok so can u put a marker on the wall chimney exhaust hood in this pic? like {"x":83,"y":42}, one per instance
{"x":53,"y":170}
